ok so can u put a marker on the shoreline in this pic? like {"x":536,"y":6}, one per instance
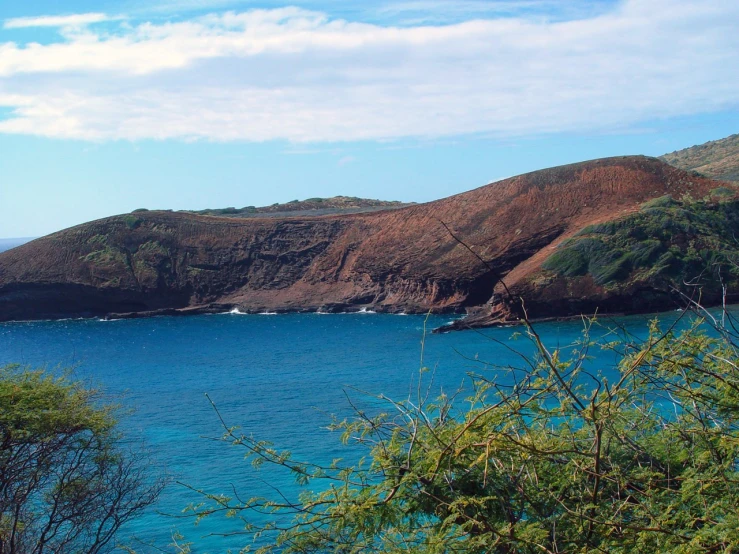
{"x":467,"y":322}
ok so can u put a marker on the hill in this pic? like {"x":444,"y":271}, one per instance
{"x":405,"y":259}
{"x":718,"y":159}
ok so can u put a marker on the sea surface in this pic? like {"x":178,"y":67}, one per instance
{"x":279,"y":377}
{"x":7,"y":244}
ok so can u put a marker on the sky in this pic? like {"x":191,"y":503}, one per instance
{"x":111,"y":105}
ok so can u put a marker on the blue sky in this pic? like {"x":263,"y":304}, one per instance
{"x":107,"y":106}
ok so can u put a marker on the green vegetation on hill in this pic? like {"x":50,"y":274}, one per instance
{"x":669,"y":241}
{"x":718,"y":159}
{"x":311,"y":206}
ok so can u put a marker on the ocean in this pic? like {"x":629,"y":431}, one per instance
{"x":279,"y":377}
{"x":7,"y":244}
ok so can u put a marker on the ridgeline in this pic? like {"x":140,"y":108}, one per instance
{"x":619,"y":235}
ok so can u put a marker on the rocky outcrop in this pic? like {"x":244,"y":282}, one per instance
{"x":448,"y":255}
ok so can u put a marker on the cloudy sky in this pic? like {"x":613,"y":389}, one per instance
{"x":108,"y":106}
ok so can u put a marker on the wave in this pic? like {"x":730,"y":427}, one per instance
{"x":453,"y":321}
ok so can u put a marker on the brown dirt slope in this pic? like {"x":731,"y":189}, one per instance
{"x":396,"y":260}
{"x":718,"y":159}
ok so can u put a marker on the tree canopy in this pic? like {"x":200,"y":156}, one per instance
{"x":67,"y":484}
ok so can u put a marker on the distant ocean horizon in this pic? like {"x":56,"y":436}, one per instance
{"x":7,"y":244}
{"x":279,"y":377}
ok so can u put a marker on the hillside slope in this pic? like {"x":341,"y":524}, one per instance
{"x":718,"y":159}
{"x":667,"y":252}
{"x":396,"y":260}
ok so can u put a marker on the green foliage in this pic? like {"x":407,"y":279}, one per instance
{"x":336,"y":204}
{"x":107,"y":256}
{"x":66,"y":484}
{"x":723,"y":192}
{"x":152,"y":247}
{"x":570,"y":262}
{"x":97,"y":239}
{"x":667,"y":241}
{"x":645,"y":252}
{"x":591,"y":255}
{"x":34,"y":403}
{"x":665,"y":201}
{"x":557,"y":456}
{"x":230,"y":211}
{"x":132,"y":222}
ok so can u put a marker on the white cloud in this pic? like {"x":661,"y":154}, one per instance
{"x":299,"y":75}
{"x":56,"y":21}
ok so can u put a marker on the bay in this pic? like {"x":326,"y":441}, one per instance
{"x":279,"y":377}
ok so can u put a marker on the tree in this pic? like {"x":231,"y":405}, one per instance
{"x":563,"y":454}
{"x":67,"y":484}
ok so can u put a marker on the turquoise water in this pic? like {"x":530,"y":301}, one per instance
{"x":279,"y":377}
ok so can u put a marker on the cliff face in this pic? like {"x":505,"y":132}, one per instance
{"x":398,"y":260}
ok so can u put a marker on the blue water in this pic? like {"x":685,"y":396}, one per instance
{"x":278,"y":377}
{"x":7,"y":244}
